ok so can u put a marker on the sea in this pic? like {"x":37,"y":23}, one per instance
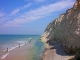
{"x":12,"y":41}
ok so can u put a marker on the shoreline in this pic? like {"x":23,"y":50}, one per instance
{"x":43,"y":54}
{"x":24,"y":52}
{"x":19,"y":53}
{"x":51,"y":53}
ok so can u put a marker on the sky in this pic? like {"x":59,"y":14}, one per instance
{"x":30,"y":16}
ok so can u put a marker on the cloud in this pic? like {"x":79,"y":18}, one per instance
{"x":14,"y":12}
{"x":19,"y":9}
{"x":6,"y":18}
{"x":36,"y":0}
{"x":40,"y":0}
{"x":2,"y":14}
{"x":26,"y":6}
{"x":40,"y":13}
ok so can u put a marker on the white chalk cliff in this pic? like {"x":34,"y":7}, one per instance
{"x":65,"y":30}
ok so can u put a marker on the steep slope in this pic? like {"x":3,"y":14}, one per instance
{"x":65,"y":30}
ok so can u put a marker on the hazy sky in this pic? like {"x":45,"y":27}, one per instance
{"x":30,"y":16}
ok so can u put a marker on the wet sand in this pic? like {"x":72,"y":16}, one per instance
{"x":56,"y":52}
{"x":20,"y":53}
{"x":1,"y":53}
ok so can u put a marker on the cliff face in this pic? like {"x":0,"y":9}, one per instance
{"x":66,"y":29}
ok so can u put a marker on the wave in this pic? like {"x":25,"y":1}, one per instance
{"x":18,"y":42}
{"x":4,"y":55}
{"x":22,"y":43}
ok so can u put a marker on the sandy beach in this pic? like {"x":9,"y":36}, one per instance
{"x":20,"y":53}
{"x":56,"y":52}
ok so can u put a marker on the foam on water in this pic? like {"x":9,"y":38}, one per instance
{"x":21,"y":42}
{"x":18,"y":42}
{"x":12,"y":42}
{"x":4,"y":56}
{"x":13,"y":48}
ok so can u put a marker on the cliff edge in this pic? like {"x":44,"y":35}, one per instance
{"x":65,"y":30}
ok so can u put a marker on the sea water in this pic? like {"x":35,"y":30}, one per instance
{"x":12,"y":41}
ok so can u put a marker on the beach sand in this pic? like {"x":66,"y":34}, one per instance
{"x":56,"y":52}
{"x":20,"y":53}
{"x":1,"y":53}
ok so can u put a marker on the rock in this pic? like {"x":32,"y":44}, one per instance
{"x":77,"y":4}
{"x":65,"y":30}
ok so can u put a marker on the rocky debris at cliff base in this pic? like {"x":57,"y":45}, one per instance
{"x":65,"y":30}
{"x":56,"y":53}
